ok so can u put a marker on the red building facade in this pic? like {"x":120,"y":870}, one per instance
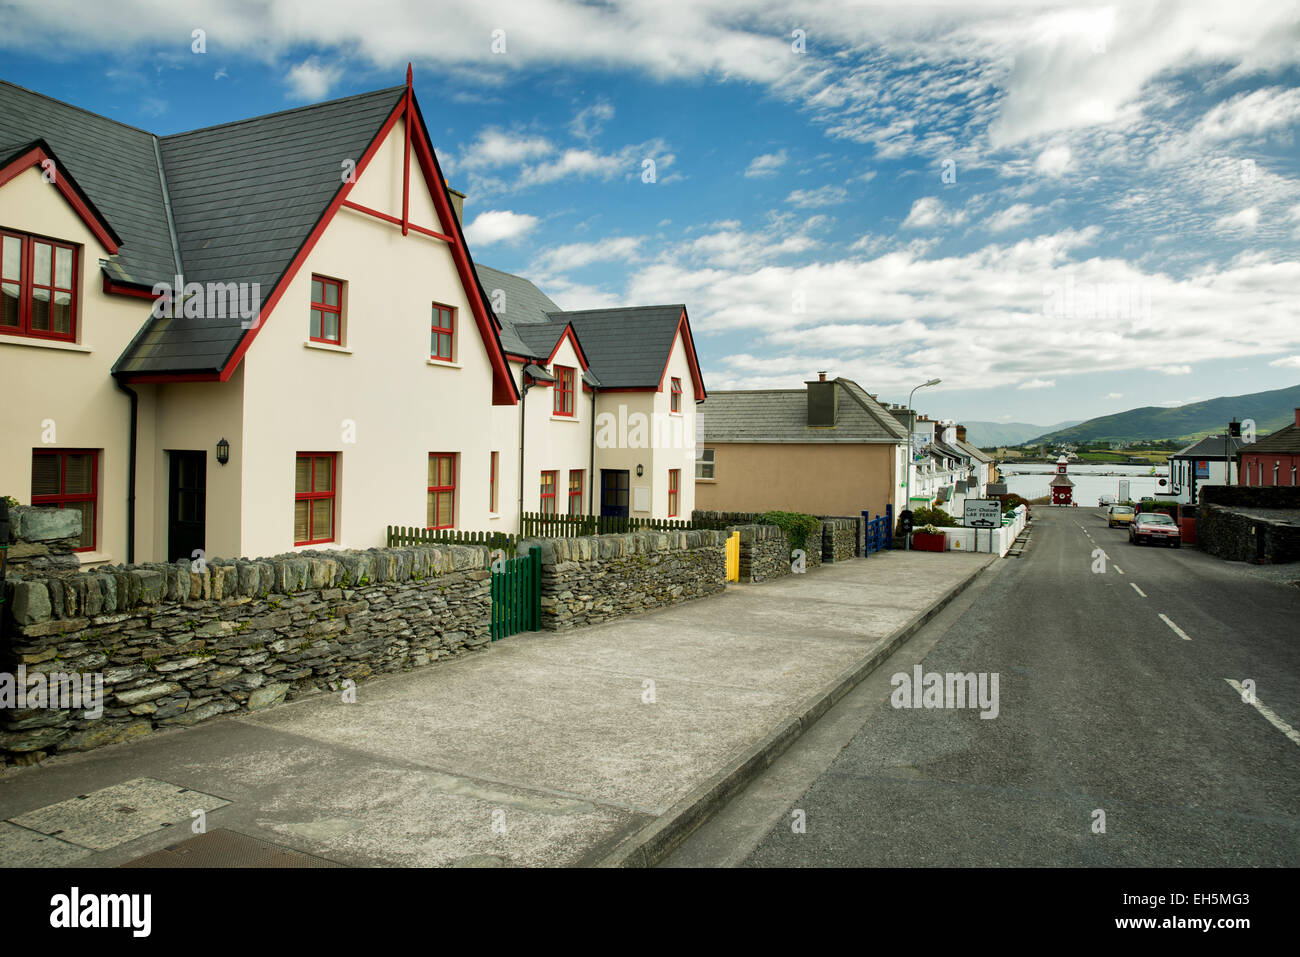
{"x":1062,"y":484}
{"x":1274,"y":459}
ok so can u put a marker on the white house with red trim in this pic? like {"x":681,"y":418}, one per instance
{"x":271,"y":334}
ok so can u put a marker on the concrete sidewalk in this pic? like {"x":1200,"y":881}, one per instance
{"x":595,"y":746}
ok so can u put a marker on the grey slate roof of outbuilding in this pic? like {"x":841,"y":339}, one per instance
{"x":1210,"y":447}
{"x":1285,"y":440}
{"x":781,"y":415}
{"x":628,"y":347}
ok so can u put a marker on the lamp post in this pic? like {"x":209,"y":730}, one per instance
{"x":911,"y":418}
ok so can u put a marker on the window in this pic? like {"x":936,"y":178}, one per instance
{"x":492,"y":483}
{"x":548,"y":493}
{"x":442,"y":490}
{"x":563,"y":390}
{"x":443,"y":332}
{"x":575,"y":491}
{"x":674,"y":495}
{"x":704,"y":464}
{"x":69,"y":479}
{"x":38,"y":287}
{"x":313,"y":493}
{"x":677,"y":395}
{"x":326,"y":310}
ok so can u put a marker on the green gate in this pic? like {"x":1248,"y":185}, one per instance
{"x":516,"y":594}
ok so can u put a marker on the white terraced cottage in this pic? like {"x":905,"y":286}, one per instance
{"x":270,"y":335}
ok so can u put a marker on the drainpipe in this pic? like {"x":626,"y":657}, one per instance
{"x":523,"y":396}
{"x":130,"y":472}
{"x":591,"y":474}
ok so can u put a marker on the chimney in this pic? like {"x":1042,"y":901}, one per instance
{"x":961,"y":433}
{"x":457,"y":204}
{"x":823,"y":403}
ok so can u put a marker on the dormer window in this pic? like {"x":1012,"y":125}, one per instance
{"x":38,"y":287}
{"x":563,"y":390}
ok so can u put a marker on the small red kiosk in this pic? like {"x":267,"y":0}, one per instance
{"x":1062,"y":485}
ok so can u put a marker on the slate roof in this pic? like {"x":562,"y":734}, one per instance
{"x":539,"y":337}
{"x":115,"y":164}
{"x":974,"y":453}
{"x":1285,"y":440}
{"x":1210,"y":447}
{"x":627,"y":347}
{"x":521,"y":302}
{"x":943,"y":448}
{"x":781,"y":415}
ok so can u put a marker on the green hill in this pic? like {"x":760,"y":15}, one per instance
{"x":990,"y":434}
{"x":1270,"y":410}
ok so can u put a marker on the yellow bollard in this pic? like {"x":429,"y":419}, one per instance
{"x":733,"y":557}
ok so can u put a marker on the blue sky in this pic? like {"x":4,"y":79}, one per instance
{"x":1062,"y":209}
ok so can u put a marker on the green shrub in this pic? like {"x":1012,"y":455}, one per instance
{"x":926,"y":515}
{"x":796,"y":525}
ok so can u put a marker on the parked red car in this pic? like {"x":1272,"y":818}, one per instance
{"x":1155,"y":527}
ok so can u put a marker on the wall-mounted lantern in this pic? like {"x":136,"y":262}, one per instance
{"x":640,"y":470}
{"x":223,"y":451}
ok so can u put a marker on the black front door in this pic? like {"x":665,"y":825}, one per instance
{"x":187,"y":504}
{"x":614,"y":484}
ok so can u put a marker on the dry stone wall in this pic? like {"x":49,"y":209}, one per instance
{"x":175,"y":645}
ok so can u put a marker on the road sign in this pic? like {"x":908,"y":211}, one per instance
{"x":1123,"y":490}
{"x":982,"y":513}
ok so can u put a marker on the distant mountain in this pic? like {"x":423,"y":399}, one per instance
{"x":989,"y":434}
{"x":1270,"y":410}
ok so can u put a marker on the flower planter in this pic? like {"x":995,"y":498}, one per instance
{"x":927,"y":542}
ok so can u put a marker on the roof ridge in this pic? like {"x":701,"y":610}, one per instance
{"x":80,"y":109}
{"x":296,"y":109}
{"x":662,"y":305}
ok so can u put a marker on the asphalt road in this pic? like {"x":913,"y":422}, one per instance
{"x":1103,"y":706}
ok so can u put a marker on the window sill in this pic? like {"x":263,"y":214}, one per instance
{"x":563,"y":418}
{"x":326,"y":347}
{"x":704,"y":481}
{"x":494,"y":516}
{"x":93,"y":558}
{"x":34,"y":343}
{"x":443,"y":364}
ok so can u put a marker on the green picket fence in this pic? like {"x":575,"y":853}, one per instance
{"x":401,"y":535}
{"x":516,"y":594}
{"x":540,"y":525}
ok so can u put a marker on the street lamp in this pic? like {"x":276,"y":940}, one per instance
{"x":911,"y":418}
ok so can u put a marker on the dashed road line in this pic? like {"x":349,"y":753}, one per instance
{"x":1269,"y":715}
{"x":1144,"y":595}
{"x":1118,"y":569}
{"x":1178,"y":631}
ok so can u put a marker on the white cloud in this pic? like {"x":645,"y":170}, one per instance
{"x":590,"y":120}
{"x":1038,"y":384}
{"x":1246,"y":221}
{"x":312,"y":79}
{"x":1250,"y":114}
{"x":499,"y":225}
{"x":929,"y":211}
{"x":577,"y":255}
{"x":1053,"y":161}
{"x":1171,"y":369}
{"x":822,"y":196}
{"x":1012,"y":217}
{"x":766,"y":164}
{"x":495,"y":148}
{"x":1290,"y":362}
{"x":1114,"y":395}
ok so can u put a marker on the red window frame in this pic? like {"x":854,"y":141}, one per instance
{"x":62,"y":498}
{"x":563,"y":390}
{"x":27,"y":285}
{"x":442,"y":314}
{"x":674,"y":491}
{"x":325,"y":308}
{"x":492,"y":483}
{"x":436,"y":488}
{"x":676,"y":395}
{"x":549,"y":480}
{"x":575,"y":491}
{"x":313,"y":495}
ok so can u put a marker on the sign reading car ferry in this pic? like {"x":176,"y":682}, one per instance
{"x":982,"y":513}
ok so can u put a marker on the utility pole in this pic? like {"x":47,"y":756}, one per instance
{"x":911,"y":418}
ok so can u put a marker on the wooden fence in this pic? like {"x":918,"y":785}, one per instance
{"x":538,"y":525}
{"x":399,"y":535}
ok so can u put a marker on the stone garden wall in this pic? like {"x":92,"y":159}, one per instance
{"x":765,"y":552}
{"x":41,"y":540}
{"x":592,"y":579}
{"x":1244,"y":534}
{"x":840,"y":539}
{"x":176,"y":646}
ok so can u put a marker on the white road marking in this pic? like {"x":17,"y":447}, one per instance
{"x":1144,"y":595}
{"x":1178,"y":631}
{"x":1118,"y":569}
{"x":1268,"y":714}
